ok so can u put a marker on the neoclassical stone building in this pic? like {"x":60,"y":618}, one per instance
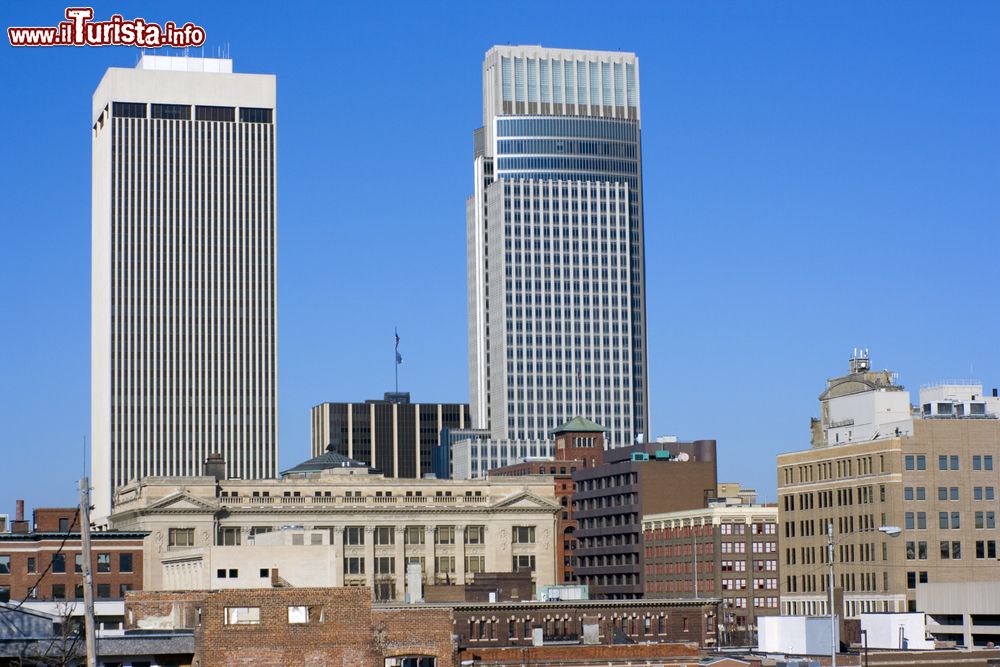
{"x":333,"y":521}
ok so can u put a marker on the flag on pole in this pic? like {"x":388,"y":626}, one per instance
{"x":399,"y":357}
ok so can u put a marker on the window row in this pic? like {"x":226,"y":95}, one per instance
{"x":102,"y":563}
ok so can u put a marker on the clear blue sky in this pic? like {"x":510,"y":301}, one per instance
{"x":818,"y":176}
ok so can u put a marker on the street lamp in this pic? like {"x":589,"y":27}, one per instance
{"x":891,"y":531}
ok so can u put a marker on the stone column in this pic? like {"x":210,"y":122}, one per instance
{"x":337,"y":556}
{"x":370,"y":556}
{"x":460,"y":554}
{"x":400,"y":564}
{"x":429,"y":554}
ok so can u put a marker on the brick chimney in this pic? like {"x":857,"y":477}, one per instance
{"x":19,"y":525}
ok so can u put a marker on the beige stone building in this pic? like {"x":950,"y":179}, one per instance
{"x":332,"y":521}
{"x":934,"y":475}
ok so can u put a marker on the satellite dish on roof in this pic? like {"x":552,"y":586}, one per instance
{"x":683,"y":456}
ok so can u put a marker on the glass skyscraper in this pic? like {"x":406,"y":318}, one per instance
{"x":557,"y":315}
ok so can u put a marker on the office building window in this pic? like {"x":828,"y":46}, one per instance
{"x":444,"y":535}
{"x":385,"y":565}
{"x":414,"y":535}
{"x":444,"y":565}
{"x":384,"y":535}
{"x":59,"y":563}
{"x":354,"y":565}
{"x":523,"y":562}
{"x":475,"y":534}
{"x":229,"y":537}
{"x":180,"y":537}
{"x":475,"y":564}
{"x":354,"y":535}
{"x":524,"y":534}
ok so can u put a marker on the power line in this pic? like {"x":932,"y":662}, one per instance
{"x":48,"y":568}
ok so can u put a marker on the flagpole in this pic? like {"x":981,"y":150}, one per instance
{"x":395,"y":358}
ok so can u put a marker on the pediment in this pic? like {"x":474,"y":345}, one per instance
{"x":526,"y":500}
{"x":183,"y":501}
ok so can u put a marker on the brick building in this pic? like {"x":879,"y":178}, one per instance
{"x":494,"y":625}
{"x":604,"y":655}
{"x":724,"y":551}
{"x":578,"y":444}
{"x":42,"y":562}
{"x":611,"y":500}
{"x":298,"y":626}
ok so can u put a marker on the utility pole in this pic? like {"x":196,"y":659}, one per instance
{"x":88,"y":574}
{"x":833,"y":626}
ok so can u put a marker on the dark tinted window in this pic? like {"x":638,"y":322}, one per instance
{"x":227,"y":114}
{"x":251,"y":115}
{"x":58,"y":563}
{"x":171,"y":111}
{"x":125,"y":563}
{"x":128,"y":109}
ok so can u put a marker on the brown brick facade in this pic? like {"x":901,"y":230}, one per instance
{"x":573,"y":450}
{"x":632,"y":654}
{"x":640,"y":621}
{"x":339,"y":627}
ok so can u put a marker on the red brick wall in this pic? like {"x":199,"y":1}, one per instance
{"x":47,"y":519}
{"x":21,"y":580}
{"x":622,"y":654}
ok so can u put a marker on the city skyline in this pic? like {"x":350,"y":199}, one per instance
{"x":771,"y":178}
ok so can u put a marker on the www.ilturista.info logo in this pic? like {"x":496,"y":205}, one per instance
{"x":80,"y":30}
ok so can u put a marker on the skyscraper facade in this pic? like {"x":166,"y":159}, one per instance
{"x":393,"y":435}
{"x":557,"y":314}
{"x":183,"y":324}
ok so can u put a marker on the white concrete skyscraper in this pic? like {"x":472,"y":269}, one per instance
{"x":183,"y":331}
{"x":557,"y":314}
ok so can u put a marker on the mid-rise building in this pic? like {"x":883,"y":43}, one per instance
{"x":578,"y":443}
{"x":333,"y":521}
{"x":393,"y":435}
{"x":556,"y":263}
{"x":728,"y":551}
{"x":441,"y":458}
{"x":931,"y":475}
{"x":475,"y":458}
{"x":41,"y":566}
{"x":183,"y":296}
{"x":611,"y":499}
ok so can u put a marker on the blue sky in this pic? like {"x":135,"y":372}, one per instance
{"x":818,"y":176}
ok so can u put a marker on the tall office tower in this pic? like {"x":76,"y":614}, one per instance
{"x":393,"y":435}
{"x":183,"y":329}
{"x":557,"y":321}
